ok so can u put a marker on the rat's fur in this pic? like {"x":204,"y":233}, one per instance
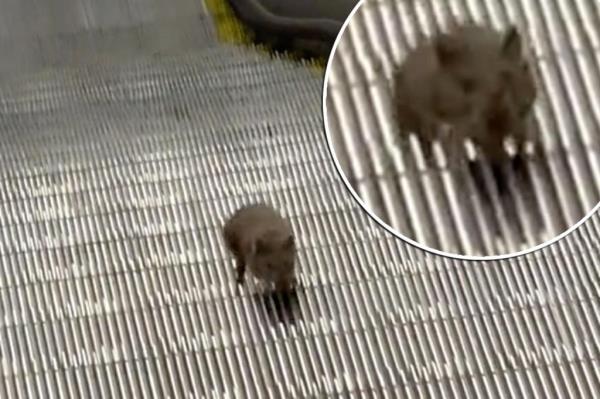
{"x":474,"y":80}
{"x":262,"y":241}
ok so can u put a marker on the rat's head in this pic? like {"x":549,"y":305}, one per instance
{"x":489,"y":87}
{"x":275,"y":251}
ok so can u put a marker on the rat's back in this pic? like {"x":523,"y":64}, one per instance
{"x":250,"y":221}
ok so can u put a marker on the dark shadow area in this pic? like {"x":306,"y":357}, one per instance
{"x":281,"y":307}
{"x":501,"y":175}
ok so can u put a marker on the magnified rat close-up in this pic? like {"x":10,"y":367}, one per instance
{"x":472,"y":79}
{"x":263,"y":242}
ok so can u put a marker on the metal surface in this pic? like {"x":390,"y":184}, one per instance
{"x":457,"y":210}
{"x":114,"y":281}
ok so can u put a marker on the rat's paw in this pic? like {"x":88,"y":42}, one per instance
{"x":286,"y":285}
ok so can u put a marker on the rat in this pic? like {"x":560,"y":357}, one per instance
{"x":472,"y":79}
{"x":262,"y":240}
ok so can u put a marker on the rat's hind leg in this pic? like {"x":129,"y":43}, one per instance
{"x":230,"y":237}
{"x":240,"y":269}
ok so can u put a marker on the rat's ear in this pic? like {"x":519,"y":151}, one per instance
{"x":448,"y":49}
{"x":512,"y":45}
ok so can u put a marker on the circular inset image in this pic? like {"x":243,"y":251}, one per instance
{"x":469,"y":132}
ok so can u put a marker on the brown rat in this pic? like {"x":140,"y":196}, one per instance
{"x":471,"y":78}
{"x":262,"y":241}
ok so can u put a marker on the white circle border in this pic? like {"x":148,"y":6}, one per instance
{"x":387,"y":227}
